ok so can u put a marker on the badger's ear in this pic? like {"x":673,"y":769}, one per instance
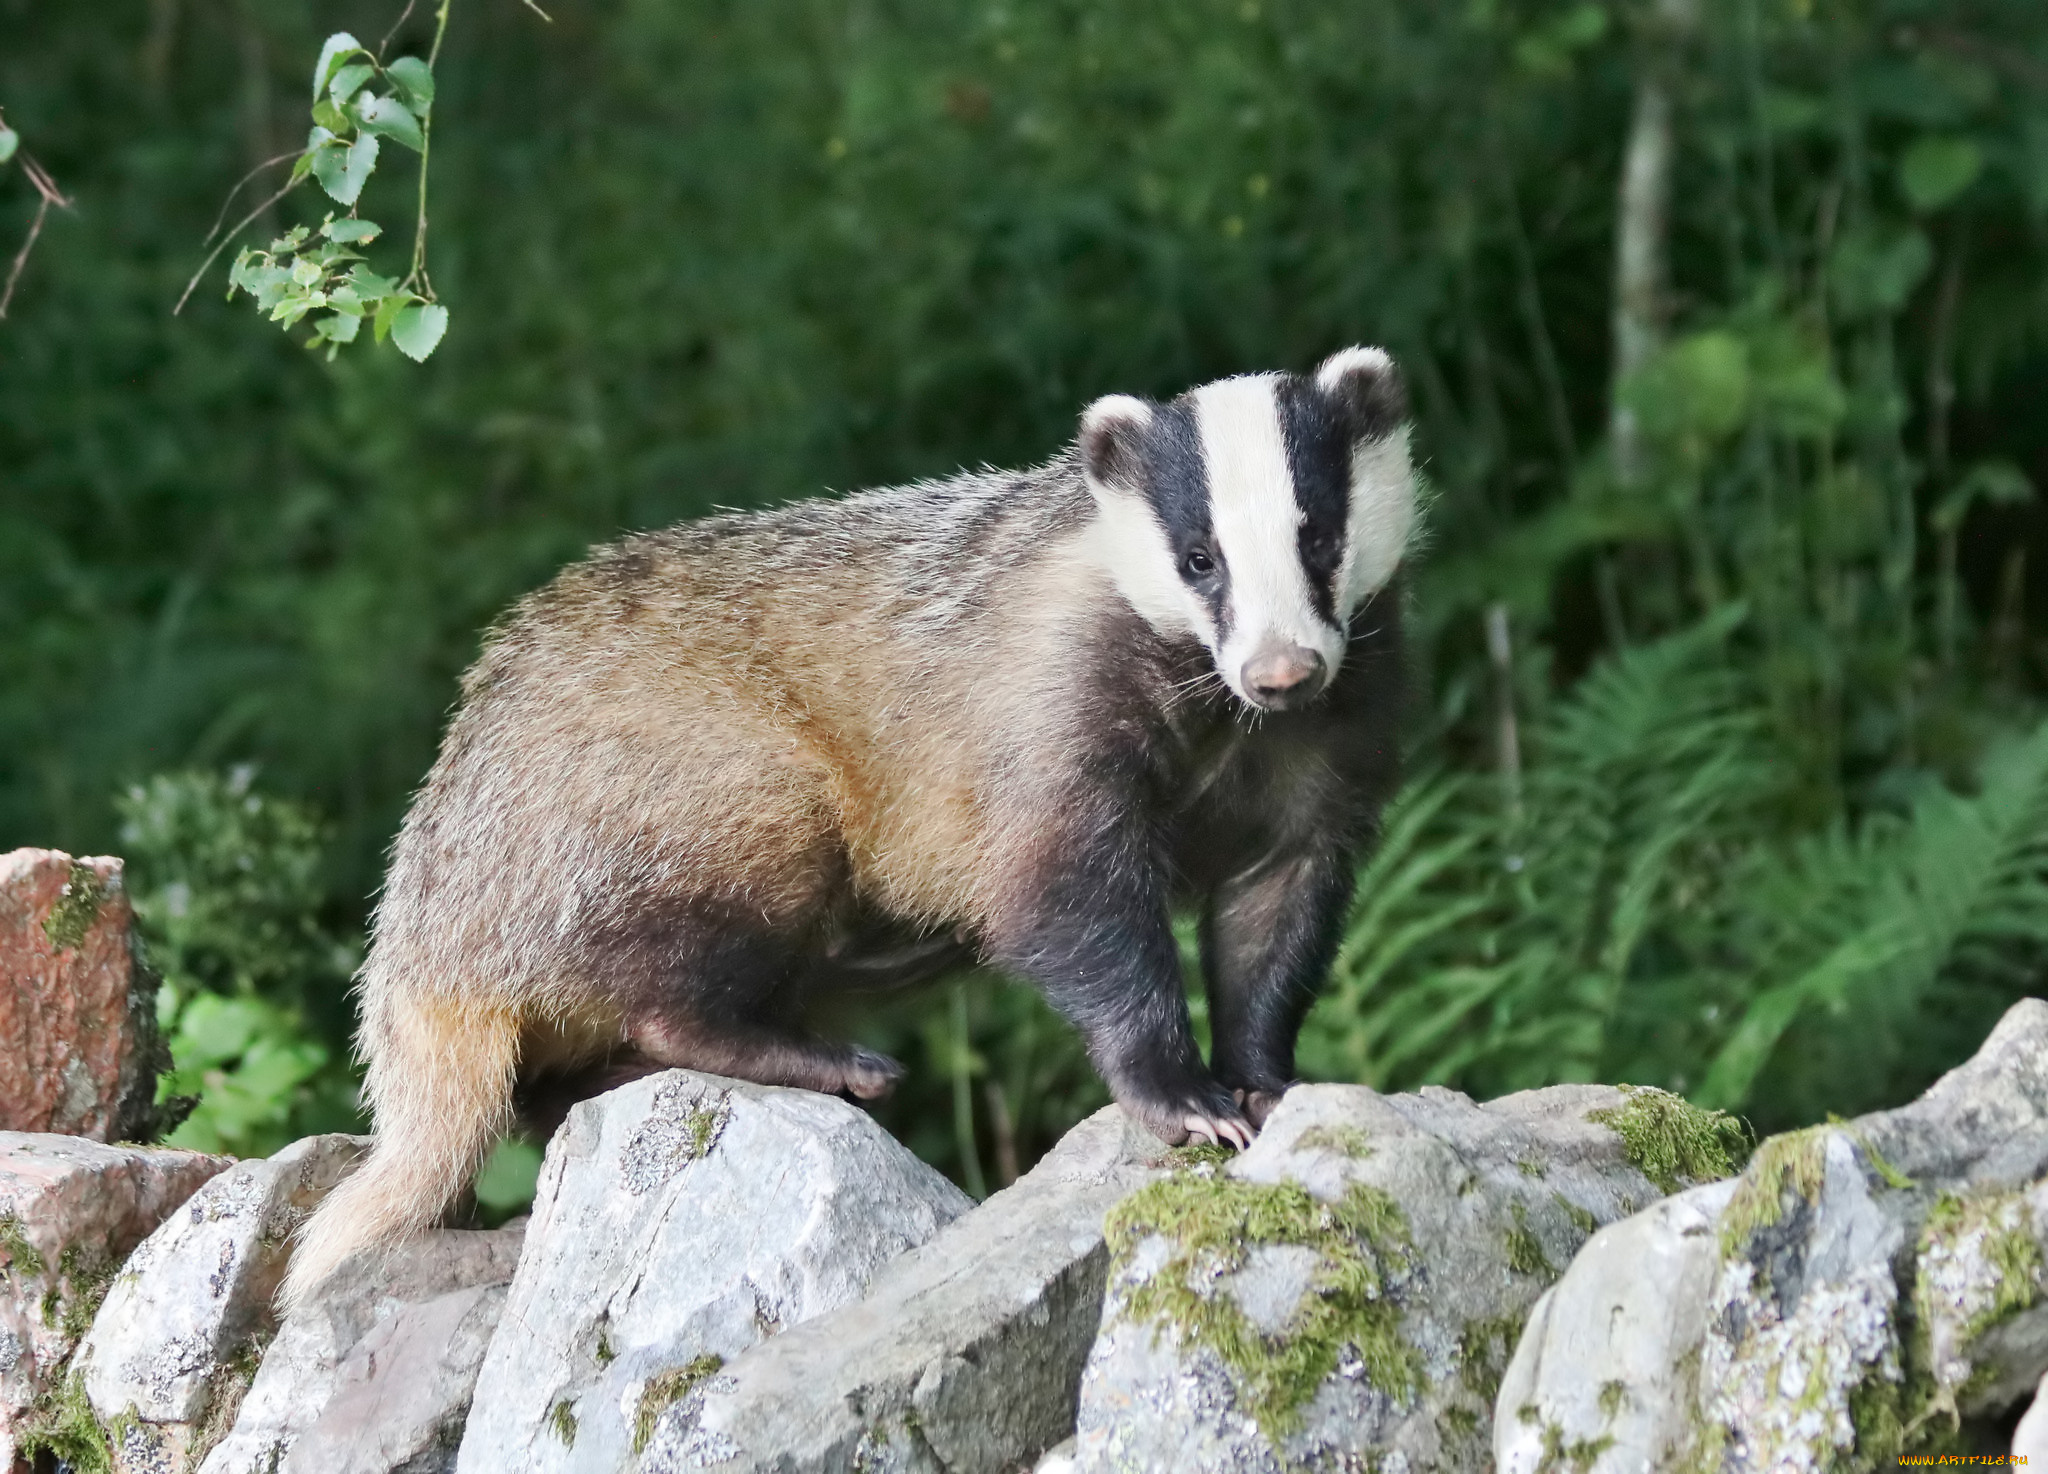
{"x":1366,"y":388}
{"x":1113,"y":431}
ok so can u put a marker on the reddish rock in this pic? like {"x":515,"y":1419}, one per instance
{"x":79,"y":1048}
{"x":71,"y":1211}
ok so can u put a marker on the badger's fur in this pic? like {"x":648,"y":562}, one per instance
{"x":1014,"y":716}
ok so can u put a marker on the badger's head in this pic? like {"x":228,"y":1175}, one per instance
{"x":1257,"y":513}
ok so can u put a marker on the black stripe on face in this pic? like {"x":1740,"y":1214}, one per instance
{"x":1318,"y":439}
{"x":1177,"y":486}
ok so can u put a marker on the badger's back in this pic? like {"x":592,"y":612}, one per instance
{"x":748,"y":708}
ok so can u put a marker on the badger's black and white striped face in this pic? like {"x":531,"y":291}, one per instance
{"x":1257,"y":513}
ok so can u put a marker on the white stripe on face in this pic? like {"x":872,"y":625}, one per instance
{"x":1257,"y":523}
{"x":1382,"y":516}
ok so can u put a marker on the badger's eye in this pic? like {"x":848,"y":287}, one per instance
{"x":1198,"y":563}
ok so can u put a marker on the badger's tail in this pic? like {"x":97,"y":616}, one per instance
{"x":440,"y":1077}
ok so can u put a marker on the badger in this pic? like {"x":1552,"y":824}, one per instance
{"x":1014,"y":718}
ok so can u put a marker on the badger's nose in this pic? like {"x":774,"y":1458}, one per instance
{"x":1283,"y":677}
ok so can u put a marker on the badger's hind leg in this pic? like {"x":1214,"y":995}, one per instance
{"x":765,"y":1054}
{"x":706,"y":991}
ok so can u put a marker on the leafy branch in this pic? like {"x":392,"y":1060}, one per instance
{"x":10,"y":145}
{"x":360,"y":103}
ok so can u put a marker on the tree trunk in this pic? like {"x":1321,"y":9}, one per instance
{"x":1642,"y":226}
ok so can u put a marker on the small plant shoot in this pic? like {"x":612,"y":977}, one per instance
{"x":360,"y":105}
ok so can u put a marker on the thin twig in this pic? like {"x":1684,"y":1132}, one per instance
{"x":403,"y":16}
{"x":225,"y":241}
{"x":417,"y":278}
{"x":539,"y":12}
{"x":223,"y":215}
{"x":51,"y":195}
{"x":21,"y":257}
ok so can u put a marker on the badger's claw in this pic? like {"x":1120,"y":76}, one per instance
{"x":1217,"y":1131}
{"x":1258,"y":1104}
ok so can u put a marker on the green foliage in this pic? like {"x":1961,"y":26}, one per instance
{"x":227,"y":890}
{"x":306,"y":271}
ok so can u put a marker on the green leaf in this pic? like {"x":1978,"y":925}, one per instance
{"x":351,"y":229}
{"x":9,"y":142}
{"x":1935,"y":170}
{"x":388,"y":310}
{"x":1872,"y":272}
{"x":369,"y":286}
{"x":342,"y":172}
{"x":339,"y":48}
{"x":415,"y":81}
{"x":330,"y":119}
{"x":417,"y":329}
{"x":390,"y":117}
{"x":339,"y":328}
{"x":348,"y":81}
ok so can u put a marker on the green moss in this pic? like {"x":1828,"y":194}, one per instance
{"x":1795,"y":1162}
{"x":1892,"y":1176}
{"x":85,"y":1277}
{"x":1199,"y":1154}
{"x":1525,"y":1250}
{"x":1462,"y":1421}
{"x":77,"y":908}
{"x":701,"y":1128}
{"x":1483,"y":1352}
{"x":2008,"y":1247}
{"x":1582,"y":1218}
{"x":22,"y":1256}
{"x":606,"y":1355}
{"x":1673,"y":1142}
{"x":1577,"y":1456}
{"x":562,"y":1418}
{"x":1346,"y":1141}
{"x":2016,"y":1256}
{"x":1211,"y":1224}
{"x":1529,"y":1169}
{"x":225,"y":1391}
{"x":1613,"y":1395}
{"x":664,"y":1390}
{"x":60,"y":1422}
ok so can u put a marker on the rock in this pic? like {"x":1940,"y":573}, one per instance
{"x":1059,"y":1459}
{"x":2030,"y":1437}
{"x":679,"y":1220}
{"x":71,"y":1211}
{"x":401,"y":1396}
{"x":1346,"y":1292}
{"x":304,"y":1369}
{"x":79,"y":1047}
{"x":176,"y":1343}
{"x":1863,"y":1289}
{"x":966,"y":1353}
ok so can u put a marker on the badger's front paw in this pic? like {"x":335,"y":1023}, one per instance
{"x":1196,"y":1111}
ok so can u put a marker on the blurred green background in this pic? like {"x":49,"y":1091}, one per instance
{"x":1728,"y":768}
